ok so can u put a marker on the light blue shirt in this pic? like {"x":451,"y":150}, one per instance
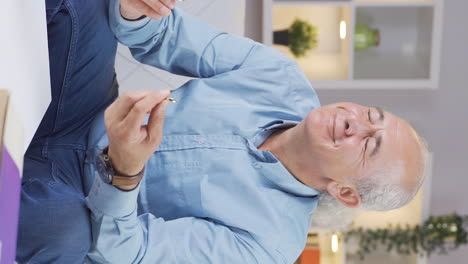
{"x":208,"y":194}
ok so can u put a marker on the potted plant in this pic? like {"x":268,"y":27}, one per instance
{"x":300,"y":37}
{"x":436,"y":235}
{"x":365,"y":37}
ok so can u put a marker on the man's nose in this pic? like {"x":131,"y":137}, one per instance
{"x":360,"y":128}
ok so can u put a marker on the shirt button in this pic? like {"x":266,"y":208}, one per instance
{"x":201,"y":141}
{"x":257,"y":165}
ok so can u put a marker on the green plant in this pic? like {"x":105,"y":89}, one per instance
{"x":436,"y":235}
{"x":302,"y":37}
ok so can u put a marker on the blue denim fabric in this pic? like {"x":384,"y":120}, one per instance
{"x":54,"y":222}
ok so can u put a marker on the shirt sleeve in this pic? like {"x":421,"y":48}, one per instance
{"x":181,"y":44}
{"x":121,"y":236}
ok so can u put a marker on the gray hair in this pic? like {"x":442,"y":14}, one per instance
{"x":331,"y":214}
{"x":379,"y":191}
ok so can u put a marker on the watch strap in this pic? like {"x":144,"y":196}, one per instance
{"x":121,"y":180}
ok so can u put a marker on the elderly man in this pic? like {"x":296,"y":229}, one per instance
{"x":236,"y":172}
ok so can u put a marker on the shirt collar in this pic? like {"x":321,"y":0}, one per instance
{"x":281,"y":177}
{"x":273,"y":169}
{"x":270,"y":128}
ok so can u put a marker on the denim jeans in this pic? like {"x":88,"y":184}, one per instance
{"x":54,"y":222}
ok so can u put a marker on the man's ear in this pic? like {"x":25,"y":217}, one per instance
{"x":347,"y":195}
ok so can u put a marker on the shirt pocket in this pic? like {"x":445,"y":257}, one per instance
{"x":171,"y":186}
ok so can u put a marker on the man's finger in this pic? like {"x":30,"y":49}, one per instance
{"x":158,"y":7}
{"x":137,"y":114}
{"x":119,"y":109}
{"x":169,"y":3}
{"x":156,"y":123}
{"x":146,"y":9}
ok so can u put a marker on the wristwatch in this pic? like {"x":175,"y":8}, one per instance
{"x":110,"y":175}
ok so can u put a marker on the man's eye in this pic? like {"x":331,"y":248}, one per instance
{"x":369,"y":115}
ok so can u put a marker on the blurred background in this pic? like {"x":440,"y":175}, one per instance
{"x":407,"y":56}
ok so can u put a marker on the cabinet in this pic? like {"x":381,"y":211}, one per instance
{"x":408,"y":50}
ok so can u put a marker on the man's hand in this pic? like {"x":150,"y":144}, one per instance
{"x":155,"y":9}
{"x":131,"y":144}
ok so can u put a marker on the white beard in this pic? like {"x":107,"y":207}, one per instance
{"x":330,"y":214}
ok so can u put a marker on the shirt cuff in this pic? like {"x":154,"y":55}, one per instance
{"x":106,"y":199}
{"x":122,"y":22}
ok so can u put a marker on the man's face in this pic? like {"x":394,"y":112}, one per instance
{"x":349,"y":141}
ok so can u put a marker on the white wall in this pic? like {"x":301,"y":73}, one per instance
{"x":133,"y":75}
{"x":24,"y":61}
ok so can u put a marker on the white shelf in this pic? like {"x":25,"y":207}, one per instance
{"x":406,"y":42}
{"x":374,"y":66}
{"x":314,"y":2}
{"x":395,"y":2}
{"x":408,"y":56}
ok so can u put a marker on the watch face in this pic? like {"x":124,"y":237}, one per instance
{"x":102,"y":170}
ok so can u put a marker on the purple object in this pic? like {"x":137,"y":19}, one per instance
{"x":10,"y":185}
